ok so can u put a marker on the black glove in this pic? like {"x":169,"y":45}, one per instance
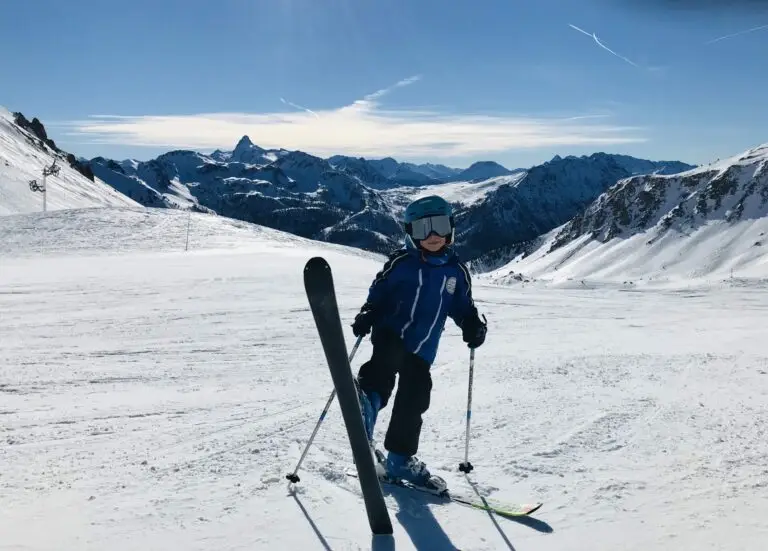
{"x":473,"y":330}
{"x":363,"y":322}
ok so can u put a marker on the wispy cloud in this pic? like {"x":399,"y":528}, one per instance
{"x":727,"y":36}
{"x":593,"y":36}
{"x":361,"y":128}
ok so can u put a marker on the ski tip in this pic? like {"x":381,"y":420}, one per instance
{"x":317,"y":263}
{"x":531,"y":508}
{"x":317,"y":269}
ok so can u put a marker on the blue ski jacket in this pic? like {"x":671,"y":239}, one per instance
{"x":413,"y":294}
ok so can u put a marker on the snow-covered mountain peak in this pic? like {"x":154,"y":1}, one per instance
{"x":244,"y":143}
{"x":482,"y":170}
{"x":756,"y":153}
{"x":699,"y":223}
{"x":247,"y":152}
{"x":725,"y":190}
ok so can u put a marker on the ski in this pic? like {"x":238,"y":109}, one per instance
{"x":321,"y":293}
{"x":509,"y":511}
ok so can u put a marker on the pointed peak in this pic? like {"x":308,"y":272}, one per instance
{"x":244,"y":143}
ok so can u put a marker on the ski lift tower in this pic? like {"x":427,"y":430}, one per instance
{"x":52,"y":170}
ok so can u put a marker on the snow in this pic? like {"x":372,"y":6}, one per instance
{"x":464,"y":193}
{"x":469,"y":193}
{"x":130,"y":165}
{"x":749,"y":156}
{"x":22,"y":161}
{"x":668,"y":240}
{"x":708,"y":255}
{"x":155,"y":398}
{"x":180,"y":195}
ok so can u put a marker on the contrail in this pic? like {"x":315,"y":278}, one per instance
{"x":760,"y":28}
{"x":383,"y":91}
{"x":369,"y":101}
{"x":603,"y":46}
{"x":582,"y":117}
{"x":285,"y":101}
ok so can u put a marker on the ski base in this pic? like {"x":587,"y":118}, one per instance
{"x":321,"y":294}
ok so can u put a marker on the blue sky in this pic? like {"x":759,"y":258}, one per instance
{"x":424,"y":80}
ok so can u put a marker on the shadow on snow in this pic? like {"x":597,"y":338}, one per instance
{"x":416,"y":518}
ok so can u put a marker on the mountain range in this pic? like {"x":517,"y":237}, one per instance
{"x":358,"y":202}
{"x":544,"y":221}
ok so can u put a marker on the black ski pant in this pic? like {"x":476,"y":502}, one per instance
{"x":390,"y":357}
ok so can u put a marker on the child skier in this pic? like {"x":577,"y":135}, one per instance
{"x":408,"y":302}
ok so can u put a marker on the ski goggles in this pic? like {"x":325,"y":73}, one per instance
{"x":420,"y":229}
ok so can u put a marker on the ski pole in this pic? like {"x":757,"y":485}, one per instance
{"x":293,"y":477}
{"x":466,"y":466}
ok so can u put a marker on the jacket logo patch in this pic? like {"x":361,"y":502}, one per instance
{"x":450,"y":285}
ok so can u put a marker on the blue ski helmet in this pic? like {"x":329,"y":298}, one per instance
{"x":431,"y":214}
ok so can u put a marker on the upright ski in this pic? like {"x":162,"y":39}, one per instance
{"x":318,"y":283}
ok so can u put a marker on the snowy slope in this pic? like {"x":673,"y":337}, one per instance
{"x":710,"y":254}
{"x":22,"y":158}
{"x":462,"y":194}
{"x":154,"y":399}
{"x":709,"y":223}
{"x":117,"y":230}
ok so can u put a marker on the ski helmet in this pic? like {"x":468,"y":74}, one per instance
{"x":431,"y":214}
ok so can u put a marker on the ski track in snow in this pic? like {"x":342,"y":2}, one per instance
{"x":152,"y":398}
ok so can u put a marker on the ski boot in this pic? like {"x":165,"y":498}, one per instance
{"x":413,"y":471}
{"x":369,"y":408}
{"x":379,"y":462}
